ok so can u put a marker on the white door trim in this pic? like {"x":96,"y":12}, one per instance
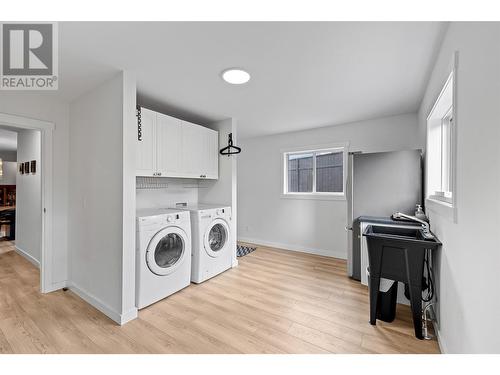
{"x":46,"y":128}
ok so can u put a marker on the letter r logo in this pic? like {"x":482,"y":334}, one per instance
{"x":27,"y":49}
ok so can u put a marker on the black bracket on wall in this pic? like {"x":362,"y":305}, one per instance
{"x":230,"y":149}
{"x":139,"y":124}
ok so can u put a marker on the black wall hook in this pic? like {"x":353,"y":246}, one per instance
{"x":230,"y":149}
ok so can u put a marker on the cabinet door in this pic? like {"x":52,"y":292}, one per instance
{"x":211,"y":151}
{"x":192,"y":150}
{"x":146,"y":147}
{"x":168,"y":146}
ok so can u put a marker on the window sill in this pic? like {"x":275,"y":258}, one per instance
{"x":441,"y":208}
{"x":321,"y":197}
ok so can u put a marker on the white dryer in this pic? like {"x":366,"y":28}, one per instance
{"x":163,"y":261}
{"x":212,"y":253}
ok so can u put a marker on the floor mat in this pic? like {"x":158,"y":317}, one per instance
{"x":244,"y":250}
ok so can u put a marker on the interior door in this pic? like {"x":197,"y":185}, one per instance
{"x":349,"y":224}
{"x":168,"y":146}
{"x":382,"y":183}
{"x":146,"y":146}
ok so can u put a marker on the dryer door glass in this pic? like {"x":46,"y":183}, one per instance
{"x":169,"y":250}
{"x":217,"y":237}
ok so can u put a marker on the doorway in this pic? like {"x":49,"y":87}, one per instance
{"x":40,"y":134}
{"x":8,"y":175}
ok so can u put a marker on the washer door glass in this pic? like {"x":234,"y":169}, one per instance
{"x":169,"y":250}
{"x":217,"y":237}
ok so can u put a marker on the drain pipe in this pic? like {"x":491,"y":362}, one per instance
{"x":425,"y":322}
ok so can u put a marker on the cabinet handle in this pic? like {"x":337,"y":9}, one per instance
{"x":159,"y":173}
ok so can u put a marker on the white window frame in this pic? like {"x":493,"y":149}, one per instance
{"x":314,"y":149}
{"x":438,"y":201}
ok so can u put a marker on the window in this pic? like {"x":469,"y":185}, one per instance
{"x":315,"y":173}
{"x":300,"y":173}
{"x":441,"y":147}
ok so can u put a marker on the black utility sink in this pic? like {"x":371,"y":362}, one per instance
{"x":398,"y":254}
{"x":403,"y":234}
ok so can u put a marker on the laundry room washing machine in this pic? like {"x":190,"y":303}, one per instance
{"x":163,"y":261}
{"x":212,"y":253}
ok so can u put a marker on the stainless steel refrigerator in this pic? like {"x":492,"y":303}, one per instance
{"x":379,"y":184}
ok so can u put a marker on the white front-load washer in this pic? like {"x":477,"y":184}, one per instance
{"x":212,"y":251}
{"x":163,"y":261}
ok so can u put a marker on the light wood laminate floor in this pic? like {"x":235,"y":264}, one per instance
{"x":275,"y":302}
{"x":6,"y":246}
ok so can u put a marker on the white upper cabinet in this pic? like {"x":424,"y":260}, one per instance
{"x":146,"y":145}
{"x":169,"y":149}
{"x":211,"y":150}
{"x":193,"y":153}
{"x":175,"y":148}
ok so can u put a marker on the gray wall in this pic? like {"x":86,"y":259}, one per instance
{"x":8,"y":155}
{"x":9,"y":173}
{"x":467,"y":266}
{"x":224,"y":189}
{"x":29,"y":197}
{"x":314,"y":226}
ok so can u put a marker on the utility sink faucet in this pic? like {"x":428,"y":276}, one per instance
{"x":426,"y":228}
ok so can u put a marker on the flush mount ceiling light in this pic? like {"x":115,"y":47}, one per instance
{"x":235,"y":76}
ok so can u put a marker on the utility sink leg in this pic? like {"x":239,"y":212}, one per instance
{"x":416,"y":309}
{"x":374,"y":287}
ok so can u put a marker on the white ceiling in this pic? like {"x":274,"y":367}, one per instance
{"x":8,"y":140}
{"x":304,"y":75}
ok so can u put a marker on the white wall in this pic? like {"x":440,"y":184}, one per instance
{"x":129,"y":137}
{"x":9,"y":173}
{"x":29,"y":197}
{"x":306,"y":225}
{"x":102,"y":197}
{"x":44,"y":106}
{"x":466,"y":267}
{"x":224,"y":190}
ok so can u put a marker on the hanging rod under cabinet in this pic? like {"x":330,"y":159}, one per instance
{"x":151,"y":183}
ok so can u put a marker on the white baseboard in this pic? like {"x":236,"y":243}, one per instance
{"x":102,"y":307}
{"x":28,"y":257}
{"x":441,"y":343}
{"x":56,"y":286}
{"x":298,"y":248}
{"x":128,"y":316}
{"x":442,"y":346}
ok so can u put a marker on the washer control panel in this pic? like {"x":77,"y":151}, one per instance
{"x":172,"y":218}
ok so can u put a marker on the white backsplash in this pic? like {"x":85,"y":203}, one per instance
{"x":165,"y":192}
